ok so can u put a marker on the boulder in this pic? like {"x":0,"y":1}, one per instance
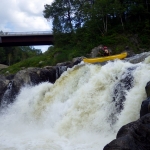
{"x":138,"y":58}
{"x":133,"y":136}
{"x":30,"y":76}
{"x":147,"y":89}
{"x":145,"y":106}
{"x":95,"y":50}
{"x":11,"y":84}
{"x":3,"y":82}
{"x":77,"y":60}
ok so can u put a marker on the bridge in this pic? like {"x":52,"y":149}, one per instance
{"x":26,"y":38}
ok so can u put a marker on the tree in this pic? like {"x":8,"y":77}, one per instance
{"x":9,"y":58}
{"x":83,"y":23}
{"x":3,"y":56}
{"x":61,"y":16}
{"x":12,"y":55}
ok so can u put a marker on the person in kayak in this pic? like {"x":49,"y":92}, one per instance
{"x":104,"y":52}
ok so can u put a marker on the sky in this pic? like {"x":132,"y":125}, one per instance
{"x":24,"y":16}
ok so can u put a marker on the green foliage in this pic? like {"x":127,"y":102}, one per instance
{"x":92,"y":23}
{"x":81,"y":25}
{"x":145,"y":40}
{"x":3,"y":56}
{"x":37,"y":61}
{"x":12,"y":55}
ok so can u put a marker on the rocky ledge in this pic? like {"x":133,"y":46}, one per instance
{"x":32,"y":76}
{"x":133,"y":136}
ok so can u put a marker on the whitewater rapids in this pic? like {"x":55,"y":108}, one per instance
{"x":74,"y":113}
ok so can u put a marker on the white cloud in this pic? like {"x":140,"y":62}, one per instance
{"x":23,"y":16}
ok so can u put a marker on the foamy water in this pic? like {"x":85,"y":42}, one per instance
{"x":74,"y":113}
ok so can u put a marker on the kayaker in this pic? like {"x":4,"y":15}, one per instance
{"x":106,"y":51}
{"x":103,"y":51}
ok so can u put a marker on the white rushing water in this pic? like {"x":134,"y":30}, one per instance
{"x":74,"y":113}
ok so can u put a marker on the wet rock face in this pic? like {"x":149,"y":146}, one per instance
{"x":145,"y":106}
{"x":133,"y":136}
{"x":8,"y":95}
{"x":3,"y":85}
{"x":137,"y":58}
{"x":125,"y":83}
{"x":34,"y":76}
{"x":11,"y":85}
{"x":147,"y":89}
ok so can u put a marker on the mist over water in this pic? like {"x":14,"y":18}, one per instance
{"x":76,"y":112}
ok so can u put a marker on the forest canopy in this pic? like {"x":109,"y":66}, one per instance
{"x":12,"y":55}
{"x":83,"y":24}
{"x":70,"y":15}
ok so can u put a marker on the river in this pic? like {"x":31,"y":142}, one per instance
{"x":82,"y":110}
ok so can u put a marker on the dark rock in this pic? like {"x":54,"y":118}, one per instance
{"x":137,"y":58}
{"x":133,"y":136}
{"x":145,"y":107}
{"x":130,"y":53}
{"x":30,"y":76}
{"x":3,"y":86}
{"x":147,"y":89}
{"x":8,"y":95}
{"x":34,"y":76}
{"x":124,"y":84}
{"x":68,"y":63}
{"x":77,"y":60}
{"x":95,"y":50}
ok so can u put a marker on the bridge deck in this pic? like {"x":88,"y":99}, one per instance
{"x":26,"y":38}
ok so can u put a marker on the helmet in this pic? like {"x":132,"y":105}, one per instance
{"x":105,"y":47}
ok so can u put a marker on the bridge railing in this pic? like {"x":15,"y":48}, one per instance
{"x":25,"y":33}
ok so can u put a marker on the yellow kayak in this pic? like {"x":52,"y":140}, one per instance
{"x":106,"y":58}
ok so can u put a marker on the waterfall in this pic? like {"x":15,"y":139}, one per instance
{"x":82,"y":110}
